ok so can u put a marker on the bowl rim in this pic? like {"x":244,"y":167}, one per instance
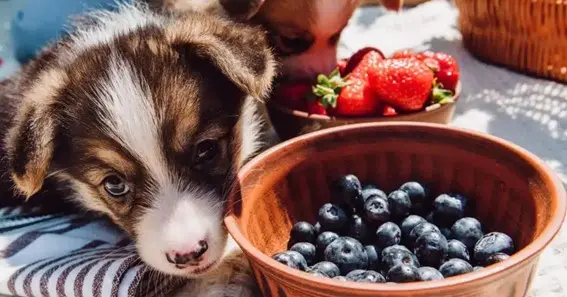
{"x":401,"y":117}
{"x":532,"y":250}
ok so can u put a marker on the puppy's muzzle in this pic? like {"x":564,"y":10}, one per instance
{"x":183,"y":259}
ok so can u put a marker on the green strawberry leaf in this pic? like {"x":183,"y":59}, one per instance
{"x":329,"y":100}
{"x":328,"y":88}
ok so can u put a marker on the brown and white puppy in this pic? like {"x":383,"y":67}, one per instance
{"x":304,"y":33}
{"x":144,"y":118}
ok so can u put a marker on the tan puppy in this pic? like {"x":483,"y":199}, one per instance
{"x":304,"y":33}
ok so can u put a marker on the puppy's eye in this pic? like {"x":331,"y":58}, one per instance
{"x":293,"y":44}
{"x":206,"y":151}
{"x":115,"y":186}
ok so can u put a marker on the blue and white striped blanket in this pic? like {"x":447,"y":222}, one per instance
{"x":46,"y":255}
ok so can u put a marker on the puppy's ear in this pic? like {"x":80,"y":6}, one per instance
{"x":241,"y":10}
{"x":30,"y":148}
{"x":29,"y":141}
{"x":240,"y":52}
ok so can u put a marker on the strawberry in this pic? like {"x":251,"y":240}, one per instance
{"x":292,"y":94}
{"x":404,"y":84}
{"x":446,"y":68}
{"x":403,"y":54}
{"x":315,"y":107}
{"x":352,"y":96}
{"x":357,"y":57}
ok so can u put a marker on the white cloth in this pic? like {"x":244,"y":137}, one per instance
{"x":50,"y":255}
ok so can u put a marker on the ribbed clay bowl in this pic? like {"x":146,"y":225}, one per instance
{"x":290,"y":123}
{"x":513,"y":190}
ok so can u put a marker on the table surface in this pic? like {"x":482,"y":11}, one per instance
{"x":528,"y":111}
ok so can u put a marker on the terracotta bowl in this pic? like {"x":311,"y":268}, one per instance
{"x":514,"y":192}
{"x":290,"y":123}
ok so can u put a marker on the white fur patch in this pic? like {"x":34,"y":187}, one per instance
{"x":131,"y":117}
{"x":177,"y":222}
{"x":250,"y":125}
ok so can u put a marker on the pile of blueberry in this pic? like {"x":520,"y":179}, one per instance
{"x":365,"y":235}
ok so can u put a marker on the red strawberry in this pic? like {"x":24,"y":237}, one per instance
{"x":353,"y":97}
{"x":446,"y":69}
{"x":315,"y":107}
{"x":292,"y":94}
{"x":403,"y":54}
{"x":402,"y":83}
{"x":357,"y":57}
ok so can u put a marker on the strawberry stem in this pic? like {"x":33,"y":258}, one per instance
{"x":328,"y":88}
{"x":441,"y":96}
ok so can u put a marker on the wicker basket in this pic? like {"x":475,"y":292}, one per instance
{"x":529,"y":36}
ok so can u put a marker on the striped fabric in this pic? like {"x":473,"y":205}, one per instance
{"x":45,"y":255}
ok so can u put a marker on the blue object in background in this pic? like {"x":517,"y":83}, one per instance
{"x":38,"y":22}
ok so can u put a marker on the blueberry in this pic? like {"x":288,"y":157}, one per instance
{"x":388,"y":234}
{"x":464,"y":200}
{"x":340,"y":278}
{"x":327,"y":268}
{"x":400,"y":204}
{"x":417,"y":195}
{"x":497,"y":258}
{"x":420,"y":230}
{"x":373,"y":192}
{"x":347,"y":190}
{"x":348,"y":254}
{"x":365,"y":276}
{"x":468,"y":231}
{"x":395,"y":255}
{"x":318,"y":229}
{"x":307,"y":250}
{"x":409,"y":223}
{"x":490,"y":244}
{"x":455,"y":267}
{"x":369,"y":186}
{"x":317,"y":274}
{"x":302,"y":232}
{"x":292,"y":259}
{"x":431,"y":249}
{"x":332,"y":217}
{"x":446,"y":232}
{"x":323,"y":240}
{"x":376,"y":211}
{"x":403,"y":273}
{"x":477,"y":268}
{"x":357,"y":228}
{"x":373,"y":257}
{"x":429,"y":274}
{"x":458,"y":250}
{"x":447,"y":210}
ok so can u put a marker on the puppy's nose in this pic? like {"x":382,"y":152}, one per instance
{"x":182,"y":259}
